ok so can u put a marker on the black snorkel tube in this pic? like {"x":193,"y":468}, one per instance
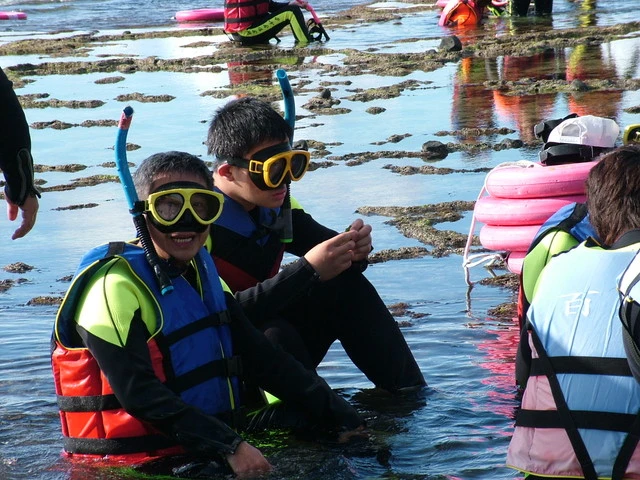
{"x":286,"y":235}
{"x":164,"y":282}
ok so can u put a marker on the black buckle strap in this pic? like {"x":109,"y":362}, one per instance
{"x":609,"y":421}
{"x":226,"y":367}
{"x":583,"y":365}
{"x":117,"y":446}
{"x":89,"y":403}
{"x":210,"y":321}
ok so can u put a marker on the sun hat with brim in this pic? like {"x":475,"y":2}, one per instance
{"x":586,"y":130}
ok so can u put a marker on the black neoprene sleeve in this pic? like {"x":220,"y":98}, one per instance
{"x":15,"y":145}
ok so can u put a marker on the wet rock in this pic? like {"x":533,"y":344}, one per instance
{"x":508,"y":143}
{"x":82,"y":182}
{"x":144,"y":98}
{"x":69,"y":168}
{"x":404,"y":310}
{"x":66,"y":278}
{"x":324,"y":105}
{"x":375,"y":110}
{"x":450,"y":44}
{"x":77,"y":207}
{"x":510,"y":281}
{"x":505,"y":310}
{"x":45,"y":300}
{"x":402,"y":253}
{"x":107,"y":80}
{"x":6,"y":285}
{"x":55,"y":124}
{"x":579,"y":86}
{"x":435,"y":149}
{"x":418,"y":222}
{"x":55,"y":103}
{"x":18,"y":267}
{"x":391,"y":91}
{"x":99,"y":123}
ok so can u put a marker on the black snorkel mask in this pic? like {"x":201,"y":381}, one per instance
{"x":270,"y":167}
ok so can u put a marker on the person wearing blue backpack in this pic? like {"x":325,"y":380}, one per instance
{"x":580,"y":409}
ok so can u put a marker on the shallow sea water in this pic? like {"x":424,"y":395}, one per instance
{"x":458,"y":427}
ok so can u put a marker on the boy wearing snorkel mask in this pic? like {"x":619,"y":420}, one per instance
{"x":141,"y":375}
{"x":323,"y":296}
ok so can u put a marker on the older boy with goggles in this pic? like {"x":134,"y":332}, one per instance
{"x":271,"y":166}
{"x":182,"y":206}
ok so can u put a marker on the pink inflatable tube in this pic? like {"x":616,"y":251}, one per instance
{"x":536,"y":180}
{"x":508,"y":238}
{"x":520,"y":211}
{"x":13,"y":16}
{"x":201,"y":15}
{"x":514,"y":262}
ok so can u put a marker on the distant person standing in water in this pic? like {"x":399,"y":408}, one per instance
{"x":15,"y":160}
{"x":521,"y":7}
{"x":259,"y":21}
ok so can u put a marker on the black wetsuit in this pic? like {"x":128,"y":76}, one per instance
{"x":303,"y":315}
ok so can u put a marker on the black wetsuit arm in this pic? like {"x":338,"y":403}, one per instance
{"x":266,"y":298}
{"x":280,"y":374}
{"x":144,"y":396}
{"x":15,"y":145}
{"x":294,"y":279}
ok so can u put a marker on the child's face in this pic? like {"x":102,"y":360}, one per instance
{"x":247,"y":193}
{"x":180,"y":246}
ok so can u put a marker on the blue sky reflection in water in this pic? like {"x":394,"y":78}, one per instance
{"x":460,"y":426}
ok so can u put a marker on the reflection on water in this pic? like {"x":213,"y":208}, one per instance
{"x":475,"y":104}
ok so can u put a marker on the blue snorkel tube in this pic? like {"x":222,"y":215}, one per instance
{"x":290,"y":117}
{"x":164,"y":282}
{"x":287,"y":96}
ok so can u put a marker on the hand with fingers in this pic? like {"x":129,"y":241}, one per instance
{"x":332,"y":257}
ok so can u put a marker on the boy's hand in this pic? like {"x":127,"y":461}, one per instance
{"x":248,"y":461}
{"x":29,"y":211}
{"x":332,"y":257}
{"x":363,"y":240}
{"x":357,"y":433}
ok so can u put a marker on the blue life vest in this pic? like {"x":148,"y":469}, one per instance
{"x":581,"y":370}
{"x":192,"y":335}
